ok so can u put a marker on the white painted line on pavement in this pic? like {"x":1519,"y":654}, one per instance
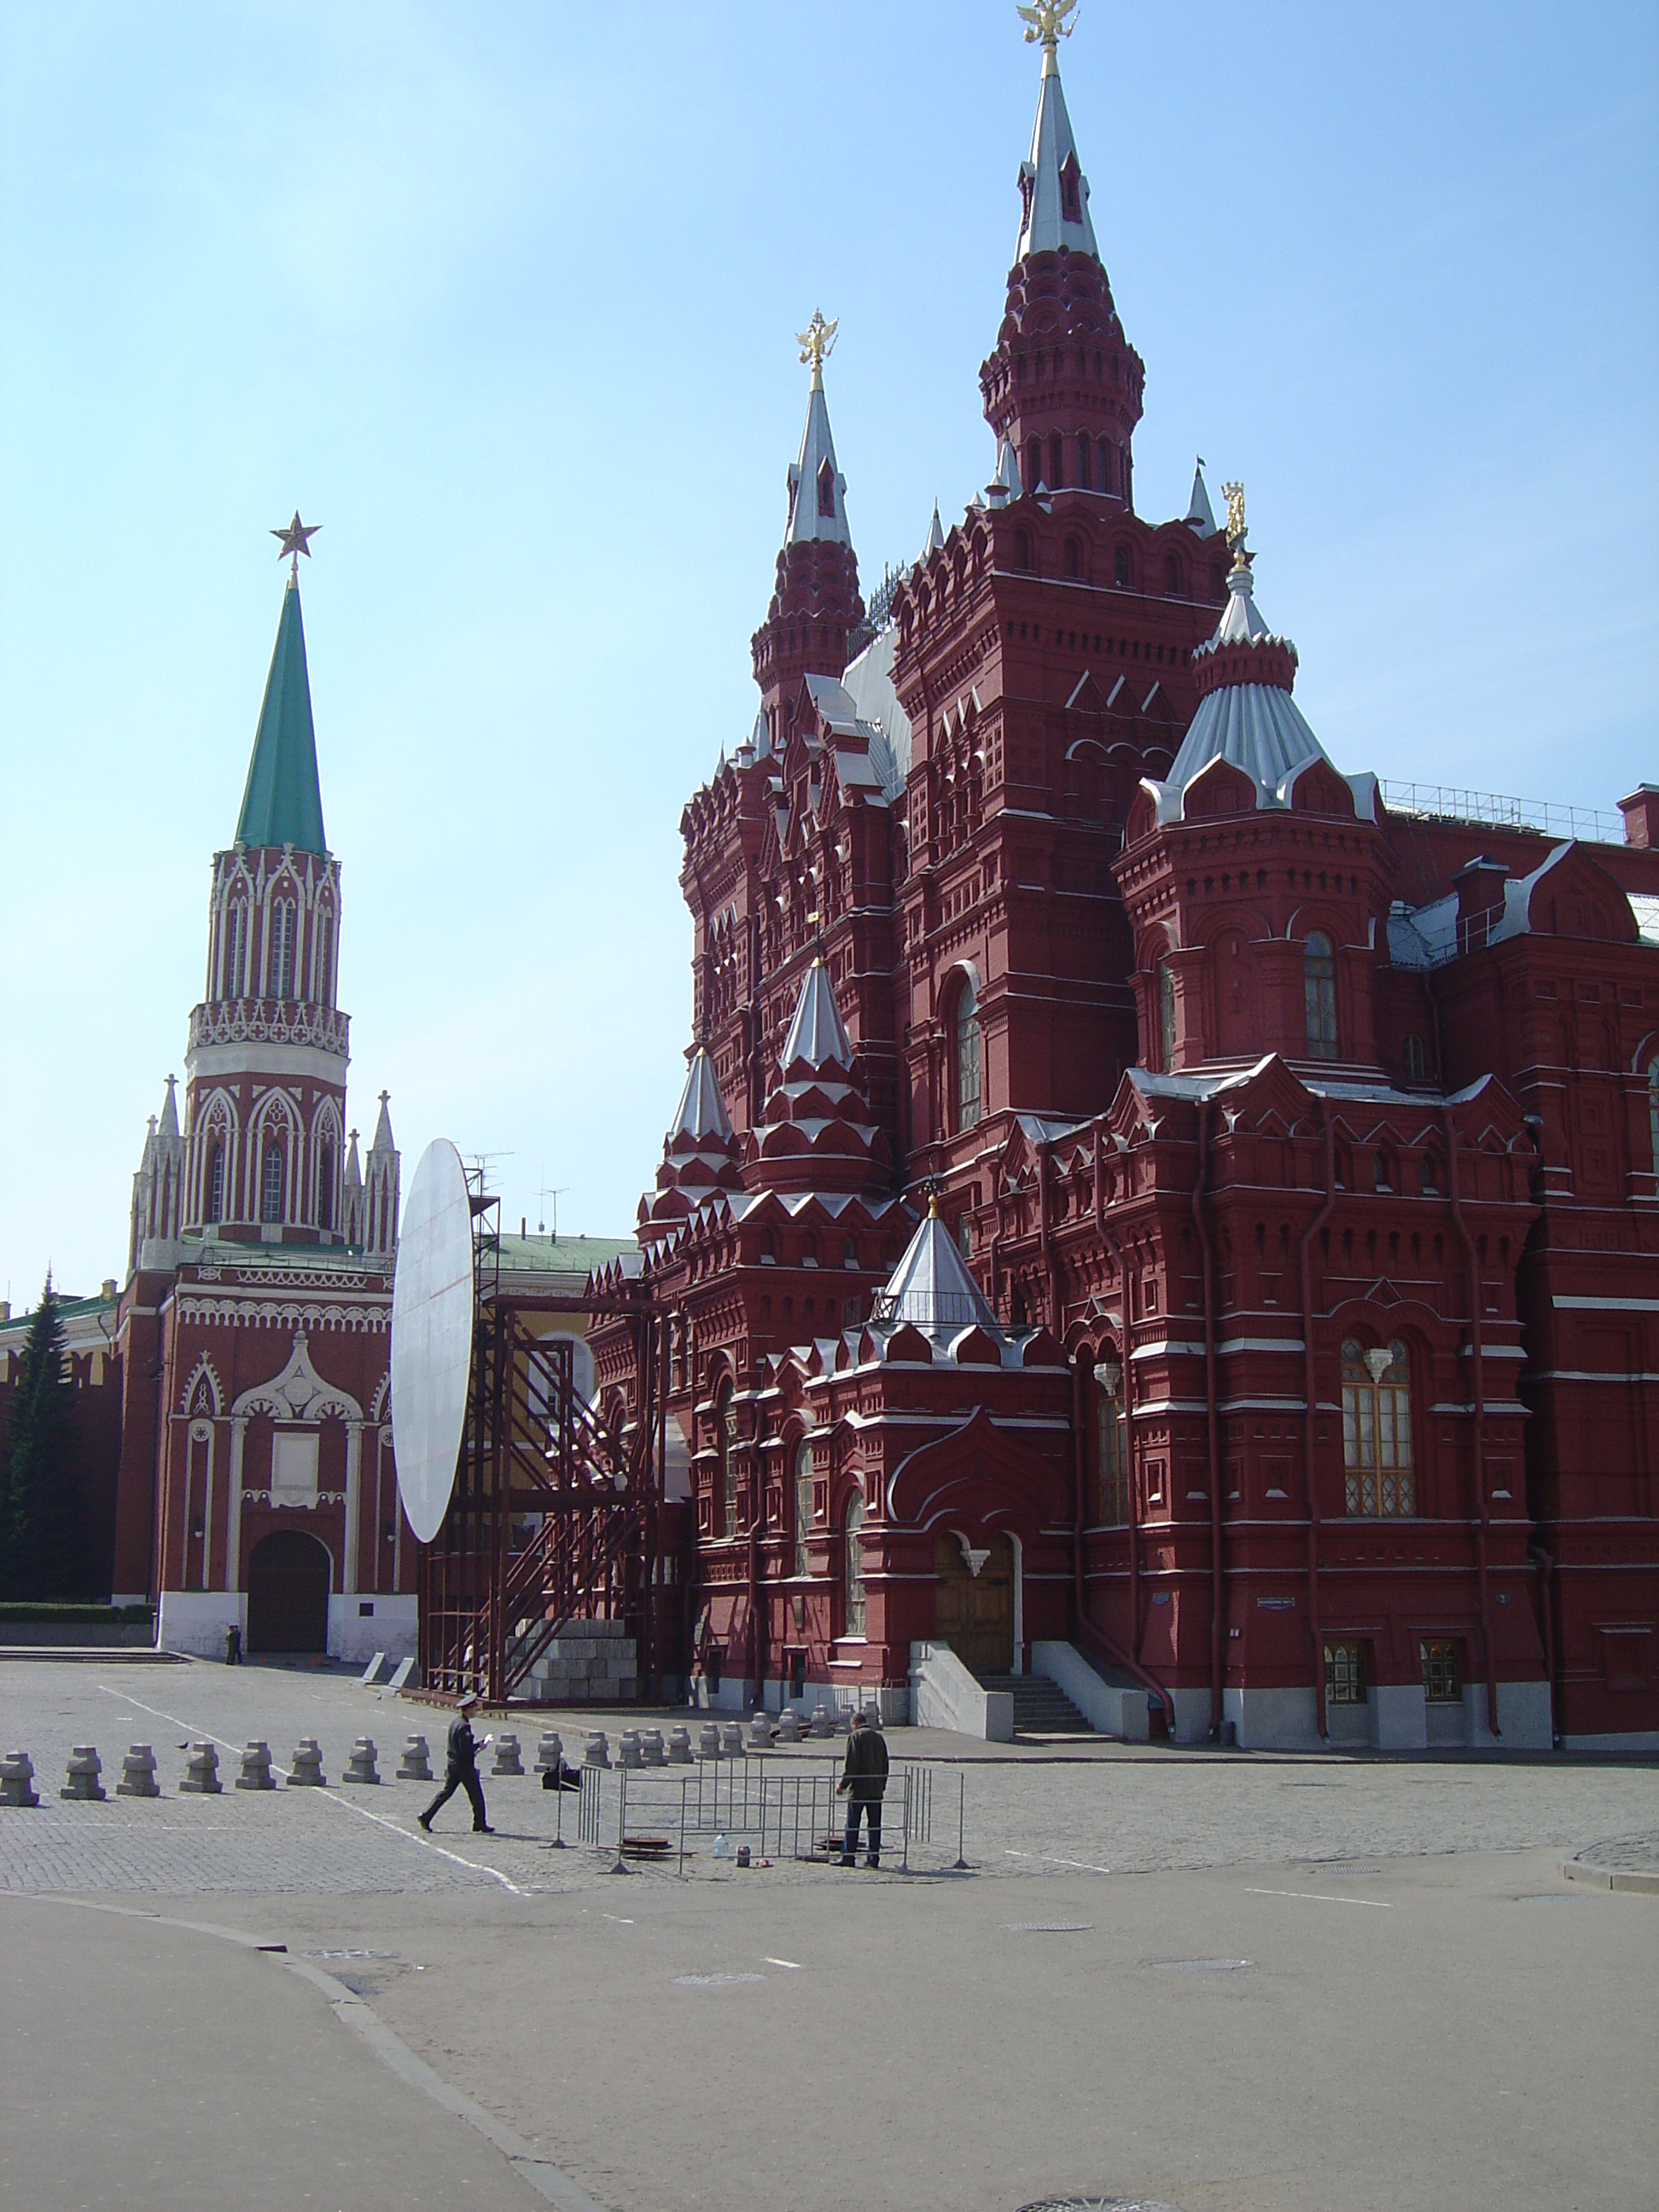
{"x":792,"y":1965}
{"x":1314,"y":1897}
{"x":1047,"y":1858}
{"x":345,"y":1804}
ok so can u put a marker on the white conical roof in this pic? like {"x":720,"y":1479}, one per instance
{"x":383,"y":1138}
{"x":1199,"y":515}
{"x":1047,"y":226}
{"x":817,"y":507}
{"x":931,"y":1287}
{"x":701,"y":1111}
{"x":935,"y":538}
{"x":170,"y":1110}
{"x":817,"y":1035}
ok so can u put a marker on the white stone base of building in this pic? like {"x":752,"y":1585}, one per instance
{"x":194,"y":1622}
{"x":1395,"y":1717}
{"x":391,"y":1624}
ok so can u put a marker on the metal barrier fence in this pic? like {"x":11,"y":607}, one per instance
{"x":781,"y":1809}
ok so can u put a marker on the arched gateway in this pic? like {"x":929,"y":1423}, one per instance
{"x":287,"y":1583}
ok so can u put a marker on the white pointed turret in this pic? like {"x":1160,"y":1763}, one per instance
{"x":931,"y":1287}
{"x":1199,"y":515}
{"x":818,"y":1036}
{"x":1054,"y":191}
{"x":702,"y":1111}
{"x":817,"y":507}
{"x":169,"y":1124}
{"x":382,"y":1186}
{"x":934,"y":541}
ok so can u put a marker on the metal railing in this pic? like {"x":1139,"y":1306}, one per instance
{"x":780,"y":1808}
{"x":1490,"y":809}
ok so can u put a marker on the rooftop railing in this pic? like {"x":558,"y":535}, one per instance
{"x":1490,"y":809}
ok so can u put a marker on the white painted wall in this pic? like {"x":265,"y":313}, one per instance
{"x":1108,"y":1710}
{"x":945,"y":1695}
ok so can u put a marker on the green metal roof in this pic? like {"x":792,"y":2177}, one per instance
{"x":283,"y":804}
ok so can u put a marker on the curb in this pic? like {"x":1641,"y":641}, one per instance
{"x":1595,"y":1877}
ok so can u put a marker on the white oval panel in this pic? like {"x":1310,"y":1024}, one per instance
{"x":432,"y":1309}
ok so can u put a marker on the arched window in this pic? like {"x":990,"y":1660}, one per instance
{"x":826,"y":490}
{"x":1377,"y":1430}
{"x":849,"y":1252}
{"x":1112,"y":1459}
{"x":1120,"y":567}
{"x":1108,"y":471}
{"x":728,"y":1447}
{"x":324,"y":959}
{"x":1166,"y":1017}
{"x":1022,"y":550}
{"x":1056,"y":462}
{"x":282,"y":950}
{"x":1417,"y":1066}
{"x":1071,"y":193}
{"x":1033,"y":464}
{"x":216,"y":1183}
{"x":803,"y":1502}
{"x":1073,"y":558}
{"x":325,"y":1187}
{"x":236,"y":963}
{"x":855,"y":1568}
{"x":1319,"y":984}
{"x":1085,"y":460}
{"x":270,"y":1184}
{"x":966,"y":1058}
{"x":1172,"y":576}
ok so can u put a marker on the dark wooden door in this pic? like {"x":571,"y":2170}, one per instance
{"x":974,"y":1614}
{"x":287,"y":1578}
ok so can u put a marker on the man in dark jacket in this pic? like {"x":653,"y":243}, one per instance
{"x":461,"y":1770}
{"x":863,"y":1780}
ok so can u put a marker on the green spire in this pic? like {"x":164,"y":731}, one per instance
{"x":283,"y":804}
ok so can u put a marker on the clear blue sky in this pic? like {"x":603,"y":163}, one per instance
{"x":504,"y":298}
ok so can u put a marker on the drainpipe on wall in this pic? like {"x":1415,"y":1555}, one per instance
{"x":1049,"y":1271}
{"x":1482,"y":1525}
{"x":1309,"y":1415}
{"x":1545,"y":1566}
{"x":1218,"y":1592}
{"x":1079,"y":1457}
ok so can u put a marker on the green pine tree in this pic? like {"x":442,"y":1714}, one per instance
{"x":39,"y":1557}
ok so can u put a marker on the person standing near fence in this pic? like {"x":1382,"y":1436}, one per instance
{"x":862,"y":1781}
{"x":461,"y":1770}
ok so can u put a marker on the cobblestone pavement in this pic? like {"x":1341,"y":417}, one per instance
{"x":1104,"y":1808}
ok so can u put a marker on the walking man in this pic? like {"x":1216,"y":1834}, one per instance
{"x":461,"y":1768}
{"x":863,"y":1779}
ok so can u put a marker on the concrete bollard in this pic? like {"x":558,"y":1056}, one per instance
{"x":651,"y":1747}
{"x":306,"y":1765}
{"x":760,"y":1732}
{"x":731,"y":1744}
{"x":507,"y":1760}
{"x":416,"y":1766}
{"x":709,"y":1740}
{"x":256,"y":1767}
{"x":628,"y":1748}
{"x":17,"y":1779}
{"x":201,"y":1772}
{"x":597,"y":1752}
{"x":84,"y":1768}
{"x":788,"y":1725}
{"x":138,"y":1773}
{"x":873,"y":1716}
{"x":824,"y":1721}
{"x":361,"y":1767}
{"x":680,"y":1746}
{"x":549,"y":1752}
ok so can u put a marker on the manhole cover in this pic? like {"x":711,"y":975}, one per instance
{"x":715,"y":1981}
{"x":1098,"y":2205}
{"x":1047,"y":1927}
{"x":348,"y":1955}
{"x":1200,"y":1966}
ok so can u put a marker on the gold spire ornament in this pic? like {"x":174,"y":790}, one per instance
{"x":1046,"y":24}
{"x":817,"y":342}
{"x":1234,"y":496}
{"x":295,"y":540}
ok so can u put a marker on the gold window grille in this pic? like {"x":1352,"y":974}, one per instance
{"x":1377,"y":1430}
{"x":1345,"y":1675}
{"x":967,"y":1058}
{"x":729,"y":1465}
{"x":803,"y":1503}
{"x":1442,"y":1673}
{"x":1114,"y":1464}
{"x":855,"y":1568}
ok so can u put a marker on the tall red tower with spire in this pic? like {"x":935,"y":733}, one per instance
{"x":257,"y":1489}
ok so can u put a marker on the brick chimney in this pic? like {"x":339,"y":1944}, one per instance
{"x":1480,"y":887}
{"x":1641,"y":813}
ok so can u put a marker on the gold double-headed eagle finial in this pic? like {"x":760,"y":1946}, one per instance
{"x":1234,"y":496}
{"x":1046,"y":24}
{"x":817,"y":342}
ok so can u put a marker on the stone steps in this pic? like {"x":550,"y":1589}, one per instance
{"x":1041,"y":1707}
{"x":589,"y":1663}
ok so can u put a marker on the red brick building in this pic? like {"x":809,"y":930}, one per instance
{"x":1280,"y":1355}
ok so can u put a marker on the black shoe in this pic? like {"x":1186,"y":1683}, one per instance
{"x":482,"y":1828}
{"x":426,"y":1822}
{"x":873,"y":1863}
{"x":846,"y":1862}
